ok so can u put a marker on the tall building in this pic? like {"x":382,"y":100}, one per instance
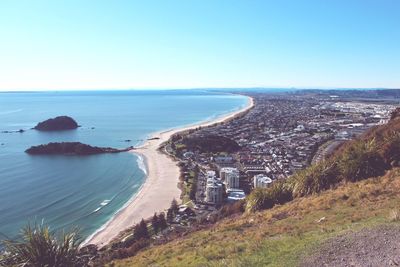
{"x":262,"y":181}
{"x":230,"y":176}
{"x":214,"y":191}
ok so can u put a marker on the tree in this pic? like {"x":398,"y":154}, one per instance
{"x":140,"y":230}
{"x":40,"y":247}
{"x":193,"y":190}
{"x":155,"y":223}
{"x":161,"y":221}
{"x":170,"y":215}
{"x":174,"y":206}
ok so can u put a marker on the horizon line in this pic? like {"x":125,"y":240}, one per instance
{"x":196,"y":88}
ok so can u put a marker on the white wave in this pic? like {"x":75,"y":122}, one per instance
{"x":102,"y":204}
{"x":104,"y":226}
{"x":105,"y":202}
{"x":142,"y":164}
{"x":96,"y":210}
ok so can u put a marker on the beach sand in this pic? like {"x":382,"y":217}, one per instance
{"x":160,"y":187}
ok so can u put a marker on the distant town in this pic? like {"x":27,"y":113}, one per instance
{"x":281,"y":134}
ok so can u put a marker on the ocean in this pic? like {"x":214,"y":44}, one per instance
{"x":85,"y":192}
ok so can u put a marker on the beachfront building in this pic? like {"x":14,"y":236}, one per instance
{"x":214,"y":191}
{"x":230,"y":176}
{"x":262,"y":181}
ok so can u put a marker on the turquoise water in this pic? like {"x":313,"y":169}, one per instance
{"x":69,"y":191}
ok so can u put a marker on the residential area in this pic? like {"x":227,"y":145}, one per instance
{"x":281,"y":134}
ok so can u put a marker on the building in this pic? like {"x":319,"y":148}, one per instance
{"x":230,"y":176}
{"x":214,"y":192}
{"x":262,"y":181}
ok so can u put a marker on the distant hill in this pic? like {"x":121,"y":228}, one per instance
{"x":57,"y":124}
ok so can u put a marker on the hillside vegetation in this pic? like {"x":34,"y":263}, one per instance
{"x":356,"y":188}
{"x":210,"y":143}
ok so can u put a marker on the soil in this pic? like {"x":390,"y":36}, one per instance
{"x":379,"y":246}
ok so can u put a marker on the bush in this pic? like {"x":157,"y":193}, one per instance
{"x":40,"y":247}
{"x":230,"y":209}
{"x":260,"y":198}
{"x":281,"y":192}
{"x":131,"y":251}
{"x":391,"y":149}
{"x":315,"y":179}
{"x":361,"y":161}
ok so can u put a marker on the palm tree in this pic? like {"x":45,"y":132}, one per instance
{"x":38,"y":246}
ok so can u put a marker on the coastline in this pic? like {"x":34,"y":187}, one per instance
{"x":160,"y":186}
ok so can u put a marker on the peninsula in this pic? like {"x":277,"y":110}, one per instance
{"x":71,"y":148}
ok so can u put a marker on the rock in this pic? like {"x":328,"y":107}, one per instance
{"x":21,"y":131}
{"x":57,"y":124}
{"x":153,"y":138}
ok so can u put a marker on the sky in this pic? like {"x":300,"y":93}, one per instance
{"x":101,"y":44}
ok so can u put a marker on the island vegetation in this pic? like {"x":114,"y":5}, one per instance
{"x":71,"y":148}
{"x":60,"y":123}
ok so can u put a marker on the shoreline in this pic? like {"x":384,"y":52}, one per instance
{"x":161,"y":184}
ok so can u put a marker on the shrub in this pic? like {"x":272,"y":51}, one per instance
{"x":258,"y":200}
{"x":40,"y":247}
{"x":391,"y":149}
{"x":315,"y":179}
{"x":280,"y":192}
{"x":130,"y":251}
{"x":361,"y":161}
{"x":230,"y":209}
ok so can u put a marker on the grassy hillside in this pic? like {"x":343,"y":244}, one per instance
{"x":281,"y":235}
{"x":356,"y":188}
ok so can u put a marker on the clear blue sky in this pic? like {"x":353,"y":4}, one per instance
{"x":95,"y":44}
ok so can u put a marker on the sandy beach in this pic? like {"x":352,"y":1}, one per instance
{"x":160,"y":187}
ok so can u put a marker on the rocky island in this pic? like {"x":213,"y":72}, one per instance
{"x":71,"y":148}
{"x":60,"y":123}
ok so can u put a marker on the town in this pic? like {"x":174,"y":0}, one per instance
{"x":281,"y":134}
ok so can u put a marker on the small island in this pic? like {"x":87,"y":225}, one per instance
{"x":72,"y":148}
{"x":60,"y":123}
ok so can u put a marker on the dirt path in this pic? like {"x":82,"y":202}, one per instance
{"x":379,"y":246}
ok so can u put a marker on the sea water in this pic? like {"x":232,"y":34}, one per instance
{"x":86,"y":191}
